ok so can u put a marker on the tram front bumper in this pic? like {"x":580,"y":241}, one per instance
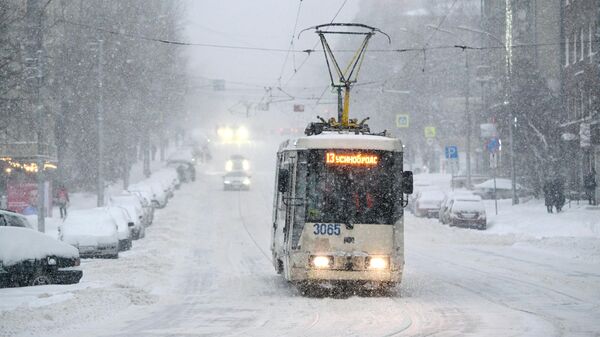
{"x":309,"y":274}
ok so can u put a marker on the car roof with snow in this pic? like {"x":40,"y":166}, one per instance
{"x":343,"y":140}
{"x":18,"y":244}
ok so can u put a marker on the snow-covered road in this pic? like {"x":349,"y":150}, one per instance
{"x":205,"y":270}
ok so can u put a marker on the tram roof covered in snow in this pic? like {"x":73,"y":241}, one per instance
{"x":343,"y":140}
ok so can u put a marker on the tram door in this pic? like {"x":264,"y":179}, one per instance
{"x":284,"y":208}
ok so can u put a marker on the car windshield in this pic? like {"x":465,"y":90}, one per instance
{"x":350,"y":193}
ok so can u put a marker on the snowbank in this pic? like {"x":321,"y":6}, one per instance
{"x":532,"y":219}
{"x":17,"y":244}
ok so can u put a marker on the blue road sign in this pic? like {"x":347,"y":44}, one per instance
{"x":493,"y":145}
{"x":452,"y":152}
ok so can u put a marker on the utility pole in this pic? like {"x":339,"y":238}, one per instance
{"x":100,"y":124}
{"x":468,"y":118}
{"x":34,"y":54}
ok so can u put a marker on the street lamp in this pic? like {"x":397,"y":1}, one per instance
{"x":467,"y":94}
{"x":507,"y":96}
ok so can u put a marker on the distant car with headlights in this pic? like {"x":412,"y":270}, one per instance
{"x":29,"y":258}
{"x":233,"y":134}
{"x":237,"y":163}
{"x":237,"y":180}
{"x":92,"y":231}
{"x":467,"y":211}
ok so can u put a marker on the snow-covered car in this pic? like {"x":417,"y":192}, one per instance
{"x":158,"y":198}
{"x":146,"y":202}
{"x":29,"y":258}
{"x":12,"y":219}
{"x":169,"y":180}
{"x":186,"y":171}
{"x":237,"y":163}
{"x":444,"y":214}
{"x":467,"y":211}
{"x":92,"y":231}
{"x":428,"y":203}
{"x":135,"y":215}
{"x":124,"y":226}
{"x":503,"y":189}
{"x":237,"y":180}
{"x":139,"y":202}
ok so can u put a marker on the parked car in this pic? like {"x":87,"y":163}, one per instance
{"x":12,"y":219}
{"x":124,"y":226}
{"x":146,"y":202}
{"x":158,"y":198}
{"x":29,"y":258}
{"x":503,"y":189}
{"x":428,"y":203}
{"x":186,"y":171}
{"x":140,"y":203}
{"x":467,"y":211}
{"x":444,"y":214}
{"x":92,"y":231}
{"x":237,"y":180}
{"x":135,"y":215}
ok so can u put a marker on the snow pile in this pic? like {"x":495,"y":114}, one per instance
{"x":501,"y":184}
{"x":532,"y":219}
{"x":18,"y":244}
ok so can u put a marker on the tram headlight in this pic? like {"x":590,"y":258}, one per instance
{"x":378,"y":262}
{"x":321,"y":262}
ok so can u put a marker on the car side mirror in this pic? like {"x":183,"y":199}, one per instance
{"x":407,"y":182}
{"x":130,"y":224}
{"x":283,"y":180}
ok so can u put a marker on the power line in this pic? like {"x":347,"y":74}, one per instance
{"x":291,"y":44}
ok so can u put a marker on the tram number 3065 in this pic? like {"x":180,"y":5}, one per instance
{"x":326,"y":229}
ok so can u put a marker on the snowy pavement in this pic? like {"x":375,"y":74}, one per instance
{"x":204,"y":269}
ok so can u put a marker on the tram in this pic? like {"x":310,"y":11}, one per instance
{"x":338,"y":207}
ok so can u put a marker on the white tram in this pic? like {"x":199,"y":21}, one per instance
{"x":339,"y":208}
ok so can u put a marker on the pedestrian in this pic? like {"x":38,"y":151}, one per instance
{"x":548,"y":195}
{"x":63,"y":201}
{"x":559,"y":194}
{"x":589,"y":184}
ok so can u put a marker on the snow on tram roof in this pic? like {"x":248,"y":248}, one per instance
{"x":344,"y":140}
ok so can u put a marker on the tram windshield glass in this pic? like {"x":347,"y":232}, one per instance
{"x":352,"y":186}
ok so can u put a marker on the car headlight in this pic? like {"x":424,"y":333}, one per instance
{"x":245,"y":165}
{"x":229,"y":166}
{"x":242,"y":133}
{"x":246,"y":181}
{"x":227,"y":182}
{"x":321,"y":262}
{"x":378,"y":262}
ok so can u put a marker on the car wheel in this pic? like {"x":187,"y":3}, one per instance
{"x":39,"y":279}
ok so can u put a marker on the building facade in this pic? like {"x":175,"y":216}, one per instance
{"x":580,"y":34}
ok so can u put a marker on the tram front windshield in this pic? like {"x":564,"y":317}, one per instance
{"x":351,"y":186}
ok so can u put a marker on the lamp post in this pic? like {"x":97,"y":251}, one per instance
{"x":507,"y":48}
{"x":467,"y":112}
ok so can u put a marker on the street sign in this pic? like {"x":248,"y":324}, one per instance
{"x":451,"y":152}
{"x":430,"y":132}
{"x":298,"y":107}
{"x":402,"y":121}
{"x":493,"y":145}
